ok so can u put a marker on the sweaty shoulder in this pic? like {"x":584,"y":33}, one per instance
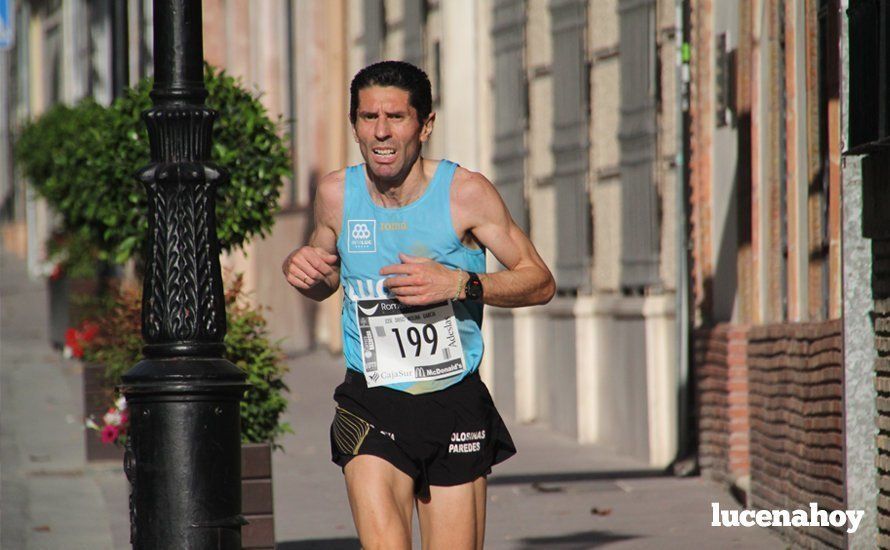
{"x":329,"y":199}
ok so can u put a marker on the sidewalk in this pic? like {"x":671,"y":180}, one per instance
{"x":554,"y":494}
{"x":542,"y":498}
{"x":51,"y":499}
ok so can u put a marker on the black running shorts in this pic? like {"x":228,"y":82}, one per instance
{"x":448,"y":437}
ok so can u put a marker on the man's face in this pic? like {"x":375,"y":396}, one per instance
{"x":388,"y":131}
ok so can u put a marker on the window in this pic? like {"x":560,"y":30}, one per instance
{"x":640,"y":231}
{"x":869,"y":75}
{"x":375,"y":30}
{"x":571,"y":100}
{"x":510,"y":94}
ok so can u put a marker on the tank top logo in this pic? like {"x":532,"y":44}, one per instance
{"x":362,"y":236}
{"x":365,"y":289}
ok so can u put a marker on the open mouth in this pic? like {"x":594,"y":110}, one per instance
{"x":384,"y":153}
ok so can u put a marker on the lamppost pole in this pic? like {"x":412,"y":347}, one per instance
{"x":183,"y":451}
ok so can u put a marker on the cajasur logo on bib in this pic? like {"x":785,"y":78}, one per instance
{"x":362,"y":236}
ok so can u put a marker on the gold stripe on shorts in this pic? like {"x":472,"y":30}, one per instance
{"x":349,"y":431}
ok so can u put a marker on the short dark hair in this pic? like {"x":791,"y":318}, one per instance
{"x":400,"y":74}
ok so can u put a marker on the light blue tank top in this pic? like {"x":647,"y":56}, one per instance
{"x":372,"y":237}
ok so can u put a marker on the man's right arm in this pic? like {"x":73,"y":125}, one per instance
{"x":314,"y":269}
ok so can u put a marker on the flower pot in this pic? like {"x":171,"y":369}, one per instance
{"x":256,"y":464}
{"x":256,"y":496}
{"x":67,"y":307}
{"x":81,"y":291}
{"x":97,"y":398}
{"x":57,"y":291}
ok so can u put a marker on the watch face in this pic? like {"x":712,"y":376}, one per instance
{"x":474,"y":288}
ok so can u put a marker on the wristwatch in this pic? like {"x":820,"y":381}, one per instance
{"x":473,"y":288}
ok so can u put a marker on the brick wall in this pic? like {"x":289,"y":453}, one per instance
{"x":722,"y":401}
{"x":796,"y":402}
{"x":769,"y":402}
{"x":881,"y":293}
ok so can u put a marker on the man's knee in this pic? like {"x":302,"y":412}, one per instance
{"x":381,"y":498}
{"x":454,"y":516}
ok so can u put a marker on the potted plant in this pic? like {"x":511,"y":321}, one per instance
{"x":117,"y":346}
{"x":54,"y":152}
{"x":74,"y":288}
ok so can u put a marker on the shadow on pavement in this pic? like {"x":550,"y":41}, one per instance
{"x":568,"y":477}
{"x":348,"y":543}
{"x":573,"y":541}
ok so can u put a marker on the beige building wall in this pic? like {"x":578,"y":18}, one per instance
{"x":668,"y":145}
{"x":625,"y":384}
{"x":263,"y":57}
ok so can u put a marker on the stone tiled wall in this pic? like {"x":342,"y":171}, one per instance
{"x":796,"y":400}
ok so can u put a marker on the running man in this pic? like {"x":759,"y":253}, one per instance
{"x":406,"y":236}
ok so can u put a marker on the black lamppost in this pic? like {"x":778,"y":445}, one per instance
{"x":183,"y":453}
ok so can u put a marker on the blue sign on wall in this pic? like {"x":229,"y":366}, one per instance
{"x":7,"y":24}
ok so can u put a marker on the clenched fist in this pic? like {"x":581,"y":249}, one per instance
{"x":307,"y":266}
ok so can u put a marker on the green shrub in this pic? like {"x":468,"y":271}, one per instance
{"x":82,"y":160}
{"x":72,"y":254}
{"x":118,"y":346}
{"x":248,"y":347}
{"x":55,"y":152}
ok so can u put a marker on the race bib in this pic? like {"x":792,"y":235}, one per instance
{"x":402,"y":343}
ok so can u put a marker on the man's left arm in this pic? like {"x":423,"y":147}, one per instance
{"x":478,"y":208}
{"x":526,"y":281}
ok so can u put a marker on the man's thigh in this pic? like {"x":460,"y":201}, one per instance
{"x":381,"y":498}
{"x":454,"y":517}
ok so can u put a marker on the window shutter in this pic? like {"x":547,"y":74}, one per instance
{"x":869,"y":75}
{"x":413,"y":27}
{"x":570,"y":143}
{"x":508,"y":35}
{"x":375,"y":29}
{"x":639,"y":201}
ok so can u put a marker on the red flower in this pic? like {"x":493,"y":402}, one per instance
{"x":76,"y":338}
{"x":110,"y":434}
{"x":76,"y":350}
{"x":88,"y":331}
{"x":56,"y":273}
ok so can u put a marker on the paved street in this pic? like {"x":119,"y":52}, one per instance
{"x":554,"y":494}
